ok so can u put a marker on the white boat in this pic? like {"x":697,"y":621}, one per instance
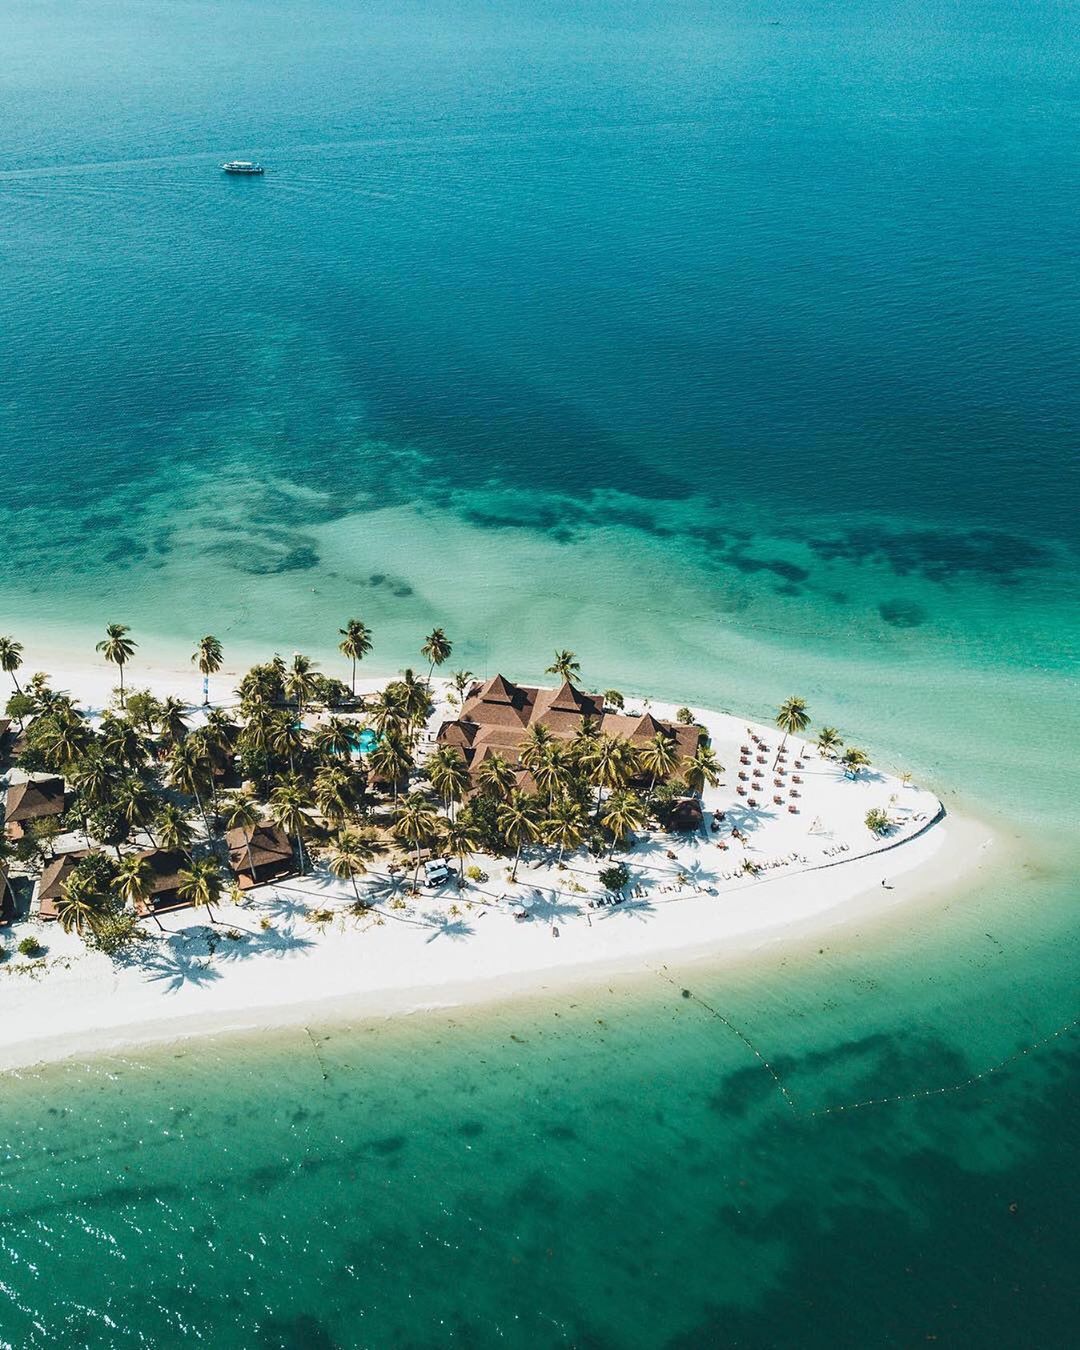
{"x":242,"y":166}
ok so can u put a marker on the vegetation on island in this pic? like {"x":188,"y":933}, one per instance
{"x":151,"y":774}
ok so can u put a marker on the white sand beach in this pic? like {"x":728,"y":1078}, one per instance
{"x":266,"y":962}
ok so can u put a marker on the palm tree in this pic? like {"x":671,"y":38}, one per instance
{"x":64,"y":739}
{"x":415,"y":822}
{"x":173,"y":828}
{"x":219,"y":733}
{"x":535,"y":744}
{"x":792,"y":718}
{"x":335,"y":793}
{"x":517,"y":820}
{"x":94,"y":778}
{"x":200,"y":882}
{"x":658,"y":757}
{"x":461,"y":680}
{"x":189,"y":772}
{"x":172,"y":721}
{"x":853,"y":760}
{"x":829,"y":741}
{"x":351,"y":853}
{"x":136,"y":802}
{"x":459,"y":838}
{"x":623,"y":812}
{"x":11,"y":659}
{"x":387,"y":710}
{"x":118,"y":649}
{"x":121,"y":741}
{"x":583,"y":745}
{"x":448,"y":774}
{"x":701,"y":768}
{"x":208,"y":658}
{"x":391,"y":760}
{"x":243,"y":814}
{"x":552,"y":771}
{"x":496,"y":776}
{"x":334,"y":737}
{"x":78,"y":906}
{"x":566,"y":825}
{"x":300,"y":680}
{"x":612,"y":764}
{"x":436,"y":649}
{"x":355,"y":644}
{"x":285,"y":738}
{"x":565,"y":664}
{"x":288,"y":809}
{"x":134,"y":883}
{"x":415,"y":699}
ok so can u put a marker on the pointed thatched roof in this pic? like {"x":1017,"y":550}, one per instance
{"x":499,"y":690}
{"x":33,"y":799}
{"x":269,"y":847}
{"x":51,"y":883}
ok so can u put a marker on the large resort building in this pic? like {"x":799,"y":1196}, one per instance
{"x":496,"y":716}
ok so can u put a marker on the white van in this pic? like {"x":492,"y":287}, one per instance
{"x":436,"y":871}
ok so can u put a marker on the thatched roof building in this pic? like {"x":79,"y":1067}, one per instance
{"x":166,"y":865}
{"x":50,"y":886}
{"x":260,"y":855}
{"x":34,"y":799}
{"x":497,"y":714}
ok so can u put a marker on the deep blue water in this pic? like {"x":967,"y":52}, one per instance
{"x":733,"y":345}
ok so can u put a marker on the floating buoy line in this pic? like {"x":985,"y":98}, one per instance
{"x":917,"y":1095}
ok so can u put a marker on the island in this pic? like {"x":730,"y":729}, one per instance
{"x":172,"y":863}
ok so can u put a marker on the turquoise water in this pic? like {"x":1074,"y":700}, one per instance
{"x":734,"y":348}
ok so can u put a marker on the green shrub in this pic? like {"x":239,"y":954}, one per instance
{"x":31,"y":947}
{"x":685,"y":717}
{"x":475,"y":873}
{"x":114,"y":932}
{"x":877,"y":821}
{"x":615,"y":878}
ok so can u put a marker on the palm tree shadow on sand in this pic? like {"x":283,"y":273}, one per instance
{"x":455,"y":929}
{"x":275,"y":941}
{"x":174,"y":968}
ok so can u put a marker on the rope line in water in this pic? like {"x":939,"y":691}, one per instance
{"x":952,"y":1087}
{"x":688,"y":994}
{"x":918,"y":1094}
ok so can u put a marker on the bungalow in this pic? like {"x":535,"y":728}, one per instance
{"x":35,"y":799}
{"x":685,"y":815}
{"x":259,"y":856}
{"x":51,"y":885}
{"x":165,"y":866}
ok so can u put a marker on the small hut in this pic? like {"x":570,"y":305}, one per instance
{"x":259,"y":856}
{"x":685,"y":815}
{"x":34,"y":799}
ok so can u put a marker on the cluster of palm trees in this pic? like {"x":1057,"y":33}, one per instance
{"x":567,"y":806}
{"x":793,"y":718}
{"x":130,"y":776}
{"x":144,"y":771}
{"x":144,"y":776}
{"x":831,"y":743}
